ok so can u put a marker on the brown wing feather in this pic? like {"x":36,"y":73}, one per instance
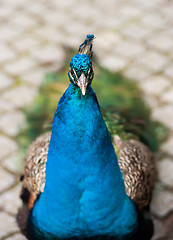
{"x":137,"y":164}
{"x":33,"y":177}
{"x":35,"y":164}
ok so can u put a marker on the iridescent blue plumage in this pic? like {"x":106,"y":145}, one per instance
{"x":81,"y":62}
{"x":84,"y":192}
{"x":84,"y":195}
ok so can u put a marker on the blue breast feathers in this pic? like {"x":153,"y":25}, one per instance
{"x":84,"y":192}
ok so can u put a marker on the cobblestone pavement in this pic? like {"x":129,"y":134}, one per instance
{"x":133,"y":36}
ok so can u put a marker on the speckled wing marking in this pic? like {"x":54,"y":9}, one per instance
{"x":137,"y":164}
{"x":33,"y":178}
{"x":35,"y":164}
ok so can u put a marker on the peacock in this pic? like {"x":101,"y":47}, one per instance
{"x":75,"y":186}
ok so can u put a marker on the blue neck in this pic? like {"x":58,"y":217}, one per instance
{"x":84,"y":190}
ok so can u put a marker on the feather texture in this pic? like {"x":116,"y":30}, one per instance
{"x":86,"y":46}
{"x":139,"y":176}
{"x":73,"y":187}
{"x":34,"y":171}
{"x":33,"y":178}
{"x":137,"y":164}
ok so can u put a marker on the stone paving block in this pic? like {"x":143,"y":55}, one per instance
{"x":161,"y":42}
{"x":164,"y":114}
{"x":71,"y":41}
{"x":36,"y":8}
{"x":168,"y":145}
{"x":155,"y":85}
{"x":167,"y":11}
{"x":165,"y":171}
{"x":138,"y":32}
{"x":153,"y":20}
{"x":53,"y":18}
{"x":76,"y":29}
{"x":147,"y":4}
{"x":48,"y":32}
{"x":26,"y":43}
{"x":128,"y":49}
{"x":24,"y":21}
{"x":5,"y":106}
{"x":19,"y":96}
{"x":162,"y":203}
{"x":14,"y":4}
{"x":7,"y":146}
{"x":5,"y":12}
{"x":167,"y":32}
{"x":8,"y":33}
{"x":95,"y":21}
{"x":11,"y":123}
{"x":8,"y":224}
{"x":159,"y":230}
{"x":17,"y":237}
{"x":150,"y":100}
{"x":5,"y":81}
{"x":115,"y":23}
{"x":152,"y":60}
{"x":131,"y":11}
{"x":136,"y":72}
{"x":85,"y":9}
{"x":10,"y":200}
{"x":19,"y":66}
{"x":49,"y":54}
{"x":6,"y":179}
{"x":114,"y":64}
{"x":6,"y":53}
{"x":13,"y":162}
{"x":35,"y":77}
{"x":169,"y":71}
{"x":167,"y":96}
{"x":110,"y":39}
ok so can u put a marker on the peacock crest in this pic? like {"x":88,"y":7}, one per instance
{"x":86,"y":46}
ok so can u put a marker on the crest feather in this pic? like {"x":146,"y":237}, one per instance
{"x":86,"y":46}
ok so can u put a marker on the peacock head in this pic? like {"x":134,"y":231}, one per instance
{"x":81,"y":73}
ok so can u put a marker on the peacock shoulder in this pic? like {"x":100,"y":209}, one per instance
{"x":35,"y":164}
{"x":137,"y":164}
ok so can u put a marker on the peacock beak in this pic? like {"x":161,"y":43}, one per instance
{"x":82,"y":83}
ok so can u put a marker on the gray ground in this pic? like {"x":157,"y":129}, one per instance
{"x":135,"y":36}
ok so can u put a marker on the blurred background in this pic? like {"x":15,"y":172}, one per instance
{"x":133,"y":57}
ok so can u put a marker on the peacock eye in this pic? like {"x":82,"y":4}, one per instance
{"x":90,"y":71}
{"x":72,"y":72}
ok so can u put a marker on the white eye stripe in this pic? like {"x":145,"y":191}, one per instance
{"x":90,"y":70}
{"x":71,"y":75}
{"x":75,"y":74}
